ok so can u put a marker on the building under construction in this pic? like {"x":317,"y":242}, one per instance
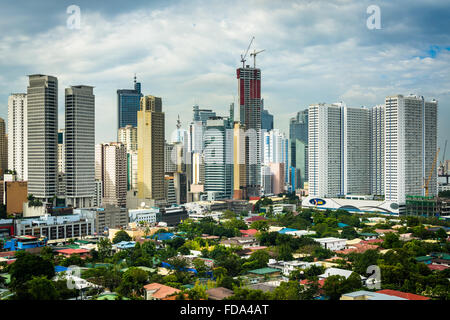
{"x":427,"y":206}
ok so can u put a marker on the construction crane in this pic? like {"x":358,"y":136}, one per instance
{"x":254,"y":56}
{"x":245,"y":55}
{"x":442,"y":171}
{"x":426,"y":184}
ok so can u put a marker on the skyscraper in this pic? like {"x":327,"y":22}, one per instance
{"x":18,"y":135}
{"x":339,"y":150}
{"x":80,"y":146}
{"x":61,"y":151}
{"x":219,"y":158}
{"x":266,"y":119}
{"x":239,"y":175}
{"x":3,"y":148}
{"x":111,"y":170}
{"x":202,"y":114}
{"x":410,"y":147}
{"x":128,"y":104}
{"x":151,"y":144}
{"x":42,"y":115}
{"x":377,"y":150}
{"x":249,"y":87}
{"x":298,"y":138}
{"x":128,"y":136}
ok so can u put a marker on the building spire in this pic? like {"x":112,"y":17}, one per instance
{"x":135,"y":78}
{"x":178,"y":123}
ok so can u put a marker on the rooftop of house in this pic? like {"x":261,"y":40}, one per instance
{"x":72,"y":251}
{"x":264,"y":271}
{"x":336,"y":271}
{"x":437,"y":267}
{"x":219,"y":293}
{"x":161,"y":291}
{"x":249,"y":232}
{"x":404,"y":295}
{"x":368,"y":295}
{"x":255,"y":218}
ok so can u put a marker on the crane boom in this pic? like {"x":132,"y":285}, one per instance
{"x":431,"y":173}
{"x":253,"y":54}
{"x":246,"y":52}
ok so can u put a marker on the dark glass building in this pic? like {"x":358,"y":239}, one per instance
{"x":128,"y":104}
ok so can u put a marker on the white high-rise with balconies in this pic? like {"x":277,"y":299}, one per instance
{"x":410,"y":147}
{"x":18,"y":135}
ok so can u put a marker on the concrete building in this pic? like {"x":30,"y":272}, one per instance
{"x":151,"y":149}
{"x":249,"y":86}
{"x":106,"y":217}
{"x":111,"y":170}
{"x":15,"y":195}
{"x":377,"y":150}
{"x":148,"y":216}
{"x":80,"y":146}
{"x":298,"y":150}
{"x":331,"y":243}
{"x":277,"y":171}
{"x":56,"y":227}
{"x":128,"y":137}
{"x":202,"y":114}
{"x":239,"y":166}
{"x":339,"y":150}
{"x":3,"y":148}
{"x":18,"y":135}
{"x":410,"y":147}
{"x":42,"y":124}
{"x":218,"y":155}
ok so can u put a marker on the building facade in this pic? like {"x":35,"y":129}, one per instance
{"x":79,"y":146}
{"x":42,"y":123}
{"x":18,"y":135}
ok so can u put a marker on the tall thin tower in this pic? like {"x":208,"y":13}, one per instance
{"x":249,"y":87}
{"x":42,"y":109}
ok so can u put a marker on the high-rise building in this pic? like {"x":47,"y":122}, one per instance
{"x":128,"y":104}
{"x":61,"y":151}
{"x":80,"y":146}
{"x":338,"y":150}
{"x":377,"y":150}
{"x":410,"y":147}
{"x":3,"y":148}
{"x":202,"y":114}
{"x":325,"y":150}
{"x":239,"y":176}
{"x":218,"y":155}
{"x":151,"y":149}
{"x":266,"y":119}
{"x":298,"y":137}
{"x":356,"y":151}
{"x":42,"y":115}
{"x":18,"y":135}
{"x":249,"y":86}
{"x":111,"y":170}
{"x":128,"y":137}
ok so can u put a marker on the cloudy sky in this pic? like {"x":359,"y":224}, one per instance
{"x":187,"y":51}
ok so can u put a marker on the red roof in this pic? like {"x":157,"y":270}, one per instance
{"x":7,"y":254}
{"x":372,"y":241}
{"x":436,"y":267}
{"x":10,"y":261}
{"x":405,"y":295}
{"x":249,"y":232}
{"x":72,"y":251}
{"x":255,"y":218}
{"x":306,"y":282}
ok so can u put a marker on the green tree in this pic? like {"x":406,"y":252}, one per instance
{"x":198,"y":292}
{"x":284,"y":253}
{"x":41,"y":288}
{"x":104,"y":248}
{"x":26,"y":267}
{"x":121,"y":236}
{"x":391,"y":240}
{"x":201,"y":267}
{"x":349,"y":233}
{"x":133,"y":281}
{"x":290,"y":290}
{"x":260,"y":225}
{"x":333,"y":287}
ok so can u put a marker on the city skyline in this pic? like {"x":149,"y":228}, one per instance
{"x":302,"y":65}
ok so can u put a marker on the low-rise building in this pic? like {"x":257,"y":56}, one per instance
{"x":157,"y":291}
{"x":331,"y":243}
{"x":338,"y":272}
{"x":148,"y":216}
{"x":278,"y":208}
{"x":368,"y":295}
{"x":244,"y":242}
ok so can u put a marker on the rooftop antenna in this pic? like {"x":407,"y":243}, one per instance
{"x":178,"y":122}
{"x":135,"y":78}
{"x":245,"y":55}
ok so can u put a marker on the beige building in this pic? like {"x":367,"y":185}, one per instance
{"x":128,"y":136}
{"x":111,"y":169}
{"x":151,"y":145}
{"x":239,"y":181}
{"x":3,"y":147}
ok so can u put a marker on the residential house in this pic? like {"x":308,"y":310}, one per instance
{"x":331,"y":243}
{"x":157,"y":291}
{"x":219,"y":293}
